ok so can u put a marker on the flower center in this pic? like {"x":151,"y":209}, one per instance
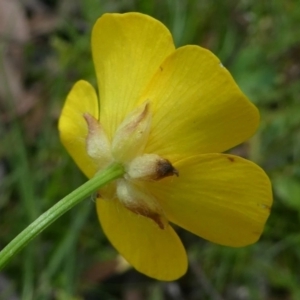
{"x":127,"y":147}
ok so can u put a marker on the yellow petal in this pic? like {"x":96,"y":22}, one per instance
{"x":222,"y":198}
{"x":73,"y":127}
{"x":196,"y":106}
{"x":127,"y":51}
{"x":156,"y":252}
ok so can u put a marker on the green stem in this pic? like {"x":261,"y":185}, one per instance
{"x":20,"y":241}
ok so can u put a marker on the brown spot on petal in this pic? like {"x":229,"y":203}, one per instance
{"x":264,"y":206}
{"x":230,"y":158}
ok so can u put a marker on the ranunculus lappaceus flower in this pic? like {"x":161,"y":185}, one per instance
{"x":166,"y":115}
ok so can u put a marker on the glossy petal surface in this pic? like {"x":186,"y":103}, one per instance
{"x":155,"y":252}
{"x":197,"y":107}
{"x":222,"y":198}
{"x":73,"y":128}
{"x":127,"y":51}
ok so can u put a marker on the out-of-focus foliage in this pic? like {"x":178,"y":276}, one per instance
{"x":258,"y":41}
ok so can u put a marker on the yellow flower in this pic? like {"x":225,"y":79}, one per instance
{"x":165,"y":114}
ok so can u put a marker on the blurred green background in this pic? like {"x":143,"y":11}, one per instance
{"x":44,"y":49}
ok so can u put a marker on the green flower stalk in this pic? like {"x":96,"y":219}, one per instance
{"x":111,"y":173}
